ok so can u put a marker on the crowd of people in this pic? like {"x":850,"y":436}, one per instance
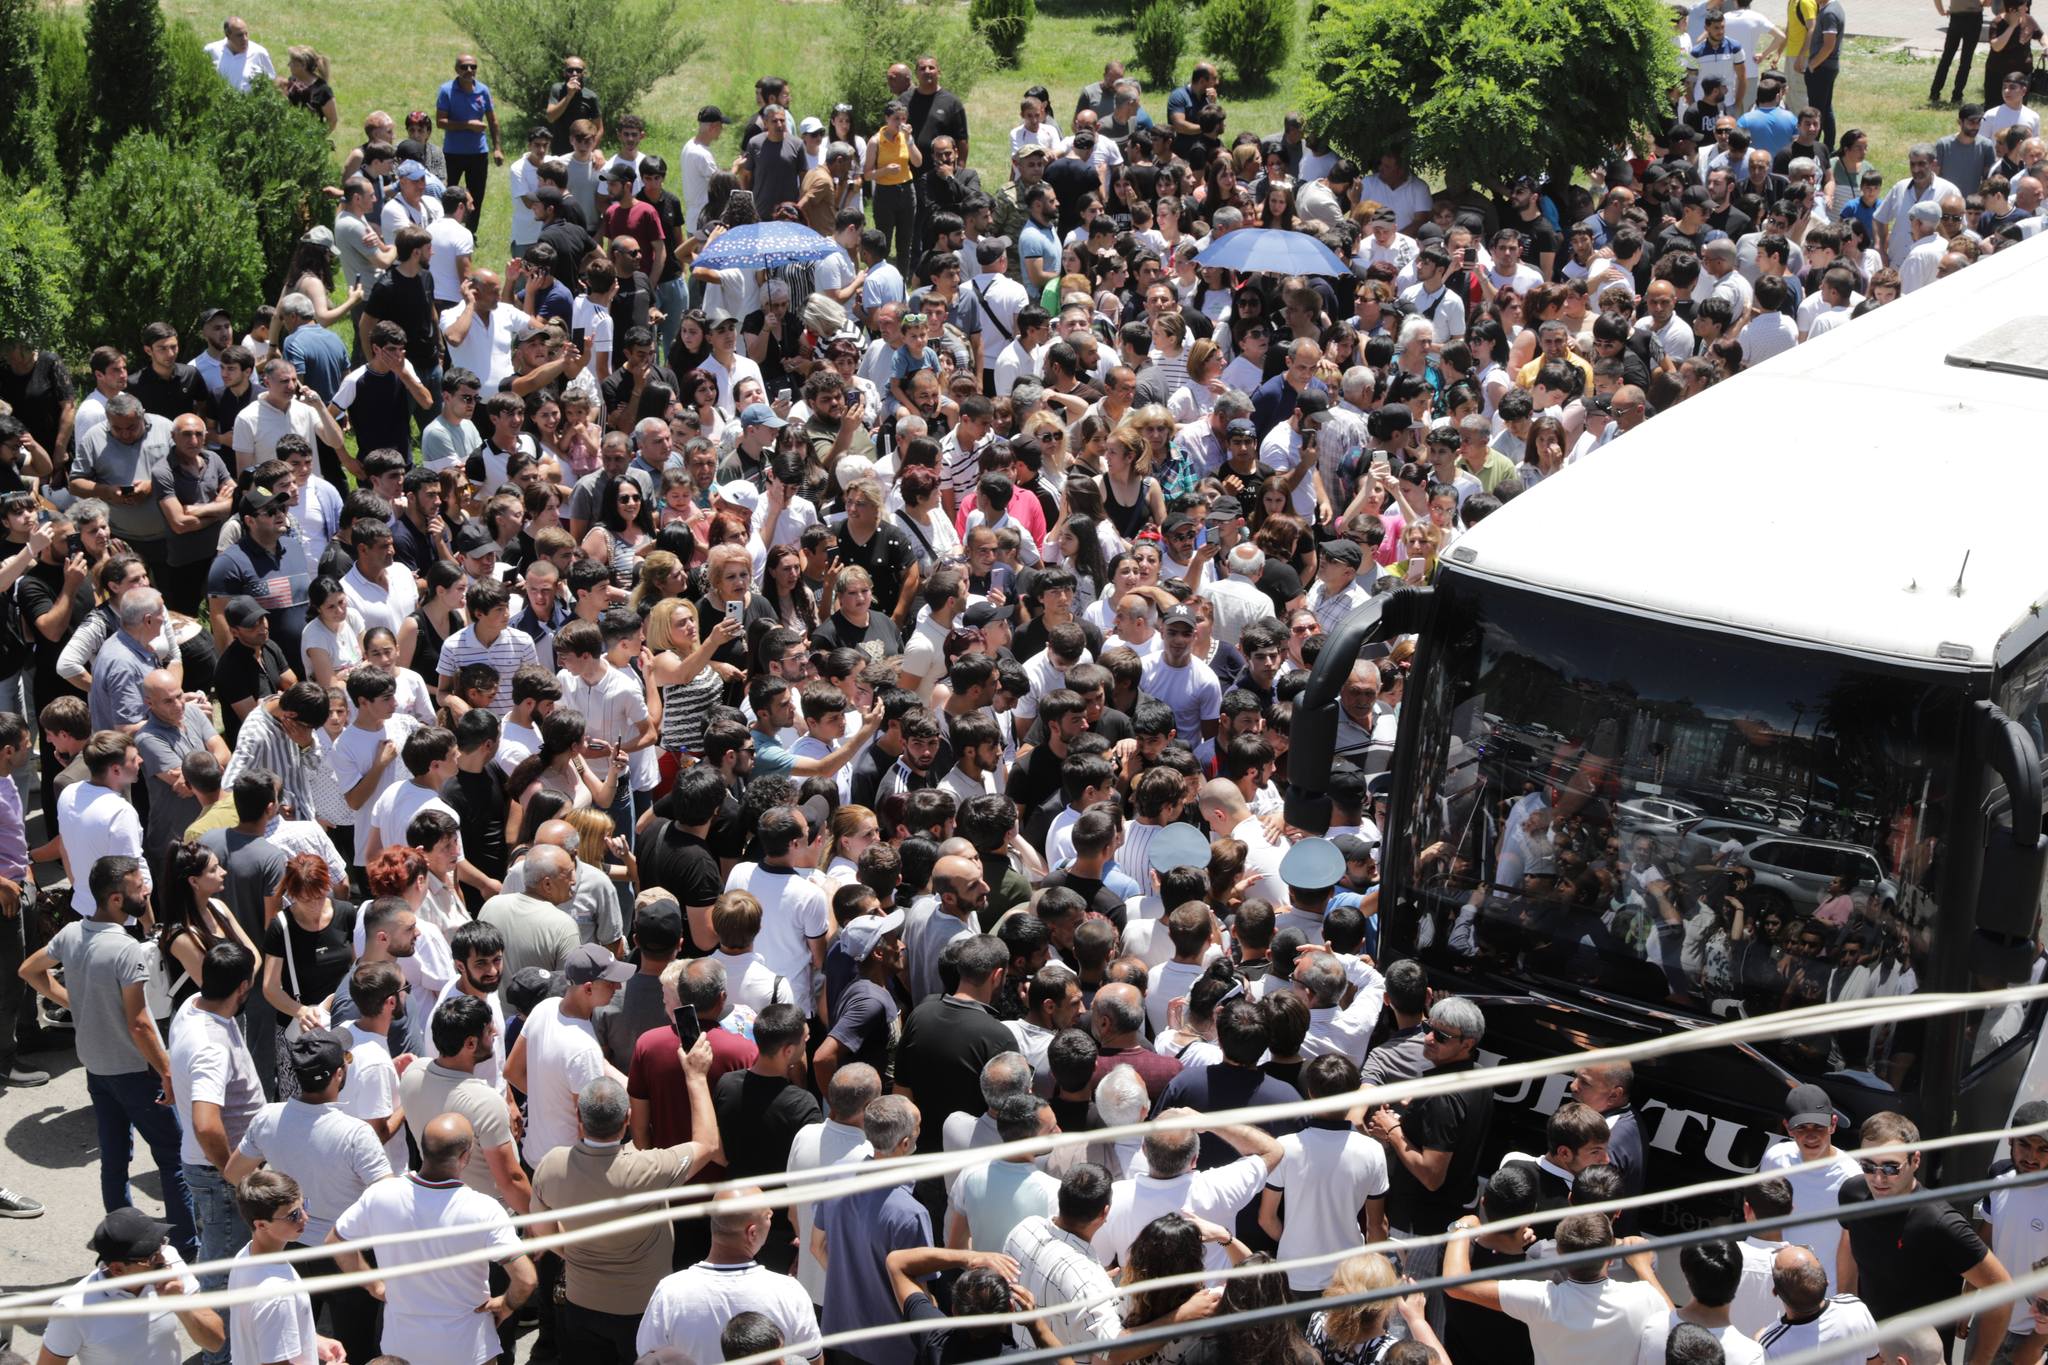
{"x":509,"y":740}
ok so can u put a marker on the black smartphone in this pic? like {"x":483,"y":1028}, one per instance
{"x":687,"y":1027}
{"x":576,"y":337}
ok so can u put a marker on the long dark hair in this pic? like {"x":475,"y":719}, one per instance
{"x":180,"y":908}
{"x":608,"y":503}
{"x":561,"y":730}
{"x":1170,"y":1244}
{"x":1275,"y":1341}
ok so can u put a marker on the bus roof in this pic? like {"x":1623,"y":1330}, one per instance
{"x":1829,"y":495}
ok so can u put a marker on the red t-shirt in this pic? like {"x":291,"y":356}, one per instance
{"x":635,"y":218}
{"x":656,"y":1076}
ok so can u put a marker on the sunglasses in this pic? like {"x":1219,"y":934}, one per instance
{"x":1887,"y":1169}
{"x":1447,"y":1035}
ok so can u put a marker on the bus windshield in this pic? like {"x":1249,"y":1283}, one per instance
{"x":1688,"y":819}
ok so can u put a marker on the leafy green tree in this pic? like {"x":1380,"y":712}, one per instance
{"x":1005,"y":24}
{"x":66,"y":92}
{"x":20,"y":79}
{"x":128,"y":68}
{"x":1483,"y":90}
{"x":38,"y":269}
{"x":274,"y":162}
{"x":1251,"y":37}
{"x":161,"y":237}
{"x":626,"y":46}
{"x":1159,"y":36}
{"x":879,"y":32}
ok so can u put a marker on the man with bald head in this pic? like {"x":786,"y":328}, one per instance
{"x":452,"y":1313}
{"x":536,"y":930}
{"x":1117,"y":1019}
{"x":1229,"y":816}
{"x":481,"y":327}
{"x":174,"y":728}
{"x":690,"y":1308}
{"x":238,"y":60}
{"x":593,"y":903}
{"x":1809,"y":1316}
{"x":960,"y":892}
{"x":611,"y":1278}
{"x":836,"y":1139}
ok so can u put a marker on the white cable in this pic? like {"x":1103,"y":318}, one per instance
{"x":840,"y":1182}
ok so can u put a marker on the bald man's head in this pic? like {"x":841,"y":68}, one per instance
{"x":1223,"y":805}
{"x":745,"y":1227}
{"x":1798,"y":1280}
{"x":445,"y":1145}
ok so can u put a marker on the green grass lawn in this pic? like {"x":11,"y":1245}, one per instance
{"x":393,"y":56}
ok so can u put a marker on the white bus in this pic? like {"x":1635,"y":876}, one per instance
{"x":1740,"y":713}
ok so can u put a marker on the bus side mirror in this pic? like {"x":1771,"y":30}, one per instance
{"x":1312,"y":742}
{"x":2015,"y":859}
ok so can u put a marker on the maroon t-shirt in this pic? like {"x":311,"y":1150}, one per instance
{"x":656,"y":1076}
{"x":1154,"y":1068}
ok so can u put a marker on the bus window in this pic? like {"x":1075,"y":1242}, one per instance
{"x":1696,"y":821}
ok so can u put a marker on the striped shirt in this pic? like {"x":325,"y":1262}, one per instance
{"x":963,"y":468}
{"x":309,"y":782}
{"x":1058,"y":1267}
{"x":512,"y":648}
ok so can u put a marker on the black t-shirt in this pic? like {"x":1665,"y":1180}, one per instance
{"x":1909,"y":1259}
{"x":1036,"y":779}
{"x":1730,"y":220}
{"x":681,"y":864}
{"x":670,"y":210}
{"x":1100,"y":898}
{"x":584,"y":107}
{"x":1473,"y":1332}
{"x":758,"y":1118}
{"x":572,"y":244}
{"x":1541,"y":237}
{"x":878,"y":639}
{"x":1456,"y":1123}
{"x":632,"y":304}
{"x":945,"y":1043}
{"x":939,"y":114}
{"x":169,"y":398}
{"x":409,"y":302}
{"x":1676,"y":238}
{"x":888,"y":557}
{"x":38,"y":397}
{"x":1281,"y":583}
{"x":479,"y":800}
{"x":320,"y":958}
{"x":1070,"y":180}
{"x":950,"y":1345}
{"x":1029,"y":640}
{"x":227,"y":405}
{"x":243,"y":674}
{"x":870,"y":765}
{"x":617,"y":388}
{"x":36,"y":593}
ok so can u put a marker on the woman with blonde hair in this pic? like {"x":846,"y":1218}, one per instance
{"x":661,"y":577}
{"x":1419,"y":544}
{"x":849,"y":832}
{"x":598,"y":844}
{"x":307,"y":85}
{"x":1356,"y":1334}
{"x":685,"y":679}
{"x":1131,"y":497}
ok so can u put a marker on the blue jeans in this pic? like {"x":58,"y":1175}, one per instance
{"x":673,"y":297}
{"x":125,"y":1105}
{"x":221,"y":1233}
{"x":422,"y":417}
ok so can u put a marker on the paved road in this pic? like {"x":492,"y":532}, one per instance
{"x":1912,"y":22}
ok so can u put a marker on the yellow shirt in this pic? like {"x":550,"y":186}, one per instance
{"x":892,"y":158}
{"x":1527,"y":374}
{"x":1798,"y":17}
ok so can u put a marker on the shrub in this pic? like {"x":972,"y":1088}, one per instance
{"x":159,"y":236}
{"x":1484,"y":90}
{"x":627,"y":45}
{"x":66,"y":92}
{"x":274,"y":159}
{"x":1160,"y":36}
{"x":1251,"y":37}
{"x":38,"y":269}
{"x":19,"y":103}
{"x":192,"y":85}
{"x":1004,"y":24}
{"x":128,"y":69}
{"x":879,"y":32}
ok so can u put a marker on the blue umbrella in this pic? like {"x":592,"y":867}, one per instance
{"x":759,"y":246}
{"x":1269,"y":249}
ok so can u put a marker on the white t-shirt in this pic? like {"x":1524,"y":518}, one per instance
{"x":1332,"y":1173}
{"x":352,"y":756}
{"x":1163,"y":984}
{"x":397,"y":804}
{"x":562,"y":1056}
{"x":278,"y":1326}
{"x":1814,"y":1187}
{"x":333,"y":1155}
{"x":486,"y":348}
{"x":431,"y":1314}
{"x":452,"y":242}
{"x":793,"y":912}
{"x":1736,"y":1348}
{"x":372,"y":1091}
{"x":689,"y":1309}
{"x":211,"y":1062}
{"x":525,"y":177}
{"x":1841,"y":1317}
{"x":1216,"y":1195}
{"x":2019,"y":1232}
{"x":387,"y":604}
{"x":1755,"y":1305}
{"x":595,"y":322}
{"x":1572,"y":1323}
{"x":131,"y":1339}
{"x":1193,"y":691}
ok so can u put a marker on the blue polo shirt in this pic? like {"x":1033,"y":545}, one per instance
{"x":462,"y":105}
{"x":770,"y":758}
{"x":860,"y":1232}
{"x":1041,"y":244}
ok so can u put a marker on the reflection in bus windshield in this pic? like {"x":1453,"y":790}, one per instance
{"x":1684,"y":819}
